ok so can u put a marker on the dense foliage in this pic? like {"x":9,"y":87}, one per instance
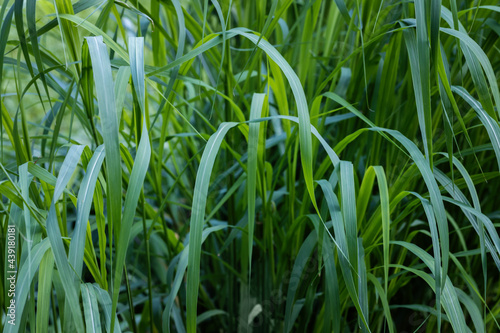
{"x":250,"y":166}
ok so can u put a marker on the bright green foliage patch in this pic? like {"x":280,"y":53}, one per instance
{"x":250,"y":166}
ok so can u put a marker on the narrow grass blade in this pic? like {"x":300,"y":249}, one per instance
{"x":342,"y":246}
{"x":107,"y":109}
{"x":348,"y":209}
{"x":331,"y":284}
{"x":383,"y":299}
{"x":92,"y":318}
{"x":197,"y":220}
{"x":85,"y":195}
{"x":362,"y":286}
{"x":181,"y":269}
{"x":488,"y":122}
{"x":44,"y":292}
{"x":105,"y":305}
{"x":297,"y":270}
{"x":253,"y":143}
{"x":419,"y":62}
{"x":450,"y":299}
{"x":54,"y":234}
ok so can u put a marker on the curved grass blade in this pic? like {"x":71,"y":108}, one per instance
{"x":449,"y":299}
{"x":475,"y":58}
{"x":418,"y":53}
{"x":305,"y":140}
{"x":24,"y":278}
{"x":105,"y":304}
{"x":342,"y":246}
{"x":488,"y":122}
{"x":253,"y":143}
{"x":197,"y":220}
{"x":97,"y":32}
{"x":107,"y":109}
{"x":383,"y":299}
{"x":56,"y":241}
{"x":348,"y":209}
{"x":181,"y":268}
{"x":331,"y":284}
{"x":90,"y":309}
{"x":386,"y":222}
{"x":137,"y":176}
{"x":44,"y":292}
{"x":85,"y":195}
{"x":427,"y":174}
{"x":4,"y":37}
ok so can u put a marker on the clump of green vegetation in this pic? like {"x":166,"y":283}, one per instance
{"x":250,"y":166}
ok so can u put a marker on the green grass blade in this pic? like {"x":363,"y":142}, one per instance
{"x":362,"y":286}
{"x":44,"y":292}
{"x":107,"y":109}
{"x":54,"y":234}
{"x":90,"y":308}
{"x":24,"y":279}
{"x":137,"y":176}
{"x":85,"y":195}
{"x":197,"y":221}
{"x":342,"y":246}
{"x":472,"y":309}
{"x":383,"y":299}
{"x":4,"y":36}
{"x":332,"y":286}
{"x":348,"y":207}
{"x":253,"y":143}
{"x":474,"y":56}
{"x":450,"y":299}
{"x":181,"y":269}
{"x":488,"y":122}
{"x":121,"y":83}
{"x":418,"y":53}
{"x":105,"y":305}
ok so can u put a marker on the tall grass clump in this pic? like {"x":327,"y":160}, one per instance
{"x":250,"y":166}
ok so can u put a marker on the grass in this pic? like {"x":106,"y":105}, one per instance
{"x":250,"y":166}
